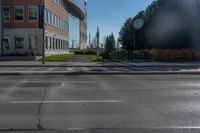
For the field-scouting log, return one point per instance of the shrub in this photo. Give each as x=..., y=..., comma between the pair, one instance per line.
x=94, y=58
x=172, y=54
x=119, y=55
x=85, y=52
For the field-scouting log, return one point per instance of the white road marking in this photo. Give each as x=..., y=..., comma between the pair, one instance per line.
x=59, y=82
x=77, y=129
x=177, y=82
x=51, y=69
x=85, y=68
x=69, y=69
x=121, y=69
x=34, y=69
x=84, y=101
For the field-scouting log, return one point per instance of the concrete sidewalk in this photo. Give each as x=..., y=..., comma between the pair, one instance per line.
x=96, y=64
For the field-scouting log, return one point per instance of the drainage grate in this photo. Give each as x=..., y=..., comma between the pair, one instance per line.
x=40, y=84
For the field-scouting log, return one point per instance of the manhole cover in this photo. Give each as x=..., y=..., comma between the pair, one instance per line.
x=40, y=84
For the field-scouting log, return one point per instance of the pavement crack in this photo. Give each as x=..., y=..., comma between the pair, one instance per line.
x=38, y=122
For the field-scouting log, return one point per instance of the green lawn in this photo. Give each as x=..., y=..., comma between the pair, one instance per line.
x=94, y=58
x=60, y=58
x=66, y=57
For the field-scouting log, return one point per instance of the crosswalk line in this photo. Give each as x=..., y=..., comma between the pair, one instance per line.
x=69, y=69
x=85, y=68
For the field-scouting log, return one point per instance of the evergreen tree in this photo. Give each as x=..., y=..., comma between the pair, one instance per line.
x=110, y=45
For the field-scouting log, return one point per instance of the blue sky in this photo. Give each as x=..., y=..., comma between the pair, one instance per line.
x=110, y=15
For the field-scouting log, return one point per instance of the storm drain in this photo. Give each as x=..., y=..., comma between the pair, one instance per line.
x=41, y=84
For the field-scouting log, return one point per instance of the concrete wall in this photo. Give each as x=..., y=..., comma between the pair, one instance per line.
x=49, y=51
x=11, y=33
x=26, y=23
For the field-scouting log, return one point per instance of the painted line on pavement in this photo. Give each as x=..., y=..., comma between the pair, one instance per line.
x=51, y=69
x=85, y=68
x=59, y=81
x=84, y=101
x=69, y=69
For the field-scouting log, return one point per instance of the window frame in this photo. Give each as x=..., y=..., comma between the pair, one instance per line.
x=23, y=42
x=9, y=14
x=36, y=7
x=22, y=7
x=8, y=39
x=31, y=46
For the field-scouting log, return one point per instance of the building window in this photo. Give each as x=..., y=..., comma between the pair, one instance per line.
x=60, y=44
x=6, y=43
x=50, y=22
x=45, y=14
x=53, y=19
x=19, y=13
x=32, y=42
x=19, y=42
x=56, y=42
x=6, y=14
x=53, y=43
x=74, y=32
x=47, y=42
x=49, y=17
x=33, y=13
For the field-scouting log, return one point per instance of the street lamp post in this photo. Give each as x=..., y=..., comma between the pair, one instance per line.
x=44, y=41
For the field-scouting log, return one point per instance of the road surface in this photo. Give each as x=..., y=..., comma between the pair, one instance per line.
x=114, y=104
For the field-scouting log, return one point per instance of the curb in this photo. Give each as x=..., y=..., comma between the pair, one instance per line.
x=164, y=66
x=62, y=73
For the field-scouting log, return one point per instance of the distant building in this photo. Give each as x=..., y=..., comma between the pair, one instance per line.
x=64, y=25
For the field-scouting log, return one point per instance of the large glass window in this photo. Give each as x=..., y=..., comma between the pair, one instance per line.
x=46, y=17
x=32, y=42
x=6, y=43
x=79, y=3
x=19, y=13
x=6, y=13
x=19, y=42
x=47, y=42
x=49, y=17
x=74, y=32
x=33, y=13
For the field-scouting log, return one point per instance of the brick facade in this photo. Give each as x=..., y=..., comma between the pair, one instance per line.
x=26, y=36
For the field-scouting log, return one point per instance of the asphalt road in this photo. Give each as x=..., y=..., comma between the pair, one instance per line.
x=100, y=104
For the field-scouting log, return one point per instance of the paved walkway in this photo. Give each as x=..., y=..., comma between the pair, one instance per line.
x=83, y=58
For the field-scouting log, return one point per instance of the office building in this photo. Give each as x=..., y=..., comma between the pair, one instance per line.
x=57, y=24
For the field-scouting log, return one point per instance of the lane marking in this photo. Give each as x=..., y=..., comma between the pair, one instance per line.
x=177, y=82
x=84, y=101
x=69, y=69
x=51, y=69
x=149, y=128
x=85, y=68
x=59, y=81
x=34, y=69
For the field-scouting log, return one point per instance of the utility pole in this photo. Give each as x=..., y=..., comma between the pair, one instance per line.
x=97, y=36
x=44, y=41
